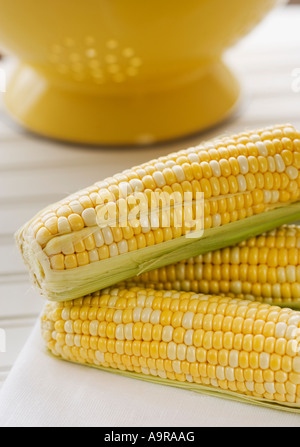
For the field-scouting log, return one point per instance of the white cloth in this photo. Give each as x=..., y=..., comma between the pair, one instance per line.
x=42, y=391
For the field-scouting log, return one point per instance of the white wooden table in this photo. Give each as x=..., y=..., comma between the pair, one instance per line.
x=35, y=172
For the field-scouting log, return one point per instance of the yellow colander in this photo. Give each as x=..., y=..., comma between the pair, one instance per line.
x=123, y=71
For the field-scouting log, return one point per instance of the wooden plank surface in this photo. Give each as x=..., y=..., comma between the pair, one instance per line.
x=35, y=172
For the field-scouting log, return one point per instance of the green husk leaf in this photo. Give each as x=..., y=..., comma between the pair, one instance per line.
x=71, y=284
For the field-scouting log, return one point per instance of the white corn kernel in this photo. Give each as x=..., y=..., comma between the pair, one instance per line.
x=280, y=330
x=159, y=179
x=145, y=315
x=70, y=340
x=191, y=354
x=193, y=157
x=136, y=315
x=159, y=166
x=267, y=196
x=234, y=359
x=281, y=276
x=264, y=360
x=113, y=300
x=137, y=185
x=114, y=292
x=291, y=273
x=99, y=240
x=67, y=247
x=125, y=189
x=76, y=207
x=100, y=356
x=270, y=388
x=271, y=164
x=167, y=333
x=188, y=337
x=65, y=313
x=296, y=364
x=243, y=163
x=179, y=173
x=69, y=327
x=123, y=246
x=77, y=340
x=89, y=217
x=291, y=332
x=220, y=372
x=242, y=183
x=176, y=367
x=275, y=196
x=276, y=291
x=93, y=255
x=292, y=172
x=187, y=320
x=250, y=386
x=128, y=331
x=149, y=301
x=181, y=351
x=107, y=235
x=120, y=332
x=262, y=149
x=117, y=318
x=141, y=301
x=141, y=173
x=155, y=316
x=255, y=138
x=215, y=167
x=280, y=166
x=94, y=328
x=217, y=220
x=63, y=225
x=171, y=350
x=162, y=374
x=294, y=319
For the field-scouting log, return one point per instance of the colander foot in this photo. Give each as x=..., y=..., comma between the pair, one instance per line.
x=90, y=115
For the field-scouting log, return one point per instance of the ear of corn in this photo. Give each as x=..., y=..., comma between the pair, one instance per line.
x=265, y=268
x=250, y=183
x=228, y=347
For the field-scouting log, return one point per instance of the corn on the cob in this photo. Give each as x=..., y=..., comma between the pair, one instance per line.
x=250, y=184
x=265, y=268
x=239, y=349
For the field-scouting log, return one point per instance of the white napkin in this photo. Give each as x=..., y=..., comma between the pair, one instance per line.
x=42, y=391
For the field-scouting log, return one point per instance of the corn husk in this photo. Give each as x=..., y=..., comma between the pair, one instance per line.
x=71, y=284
